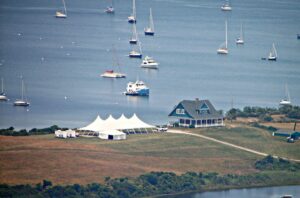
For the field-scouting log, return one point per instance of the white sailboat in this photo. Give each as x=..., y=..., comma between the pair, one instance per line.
x=110, y=9
x=240, y=40
x=132, y=17
x=287, y=99
x=62, y=14
x=2, y=94
x=112, y=73
x=134, y=37
x=223, y=47
x=150, y=29
x=273, y=54
x=23, y=101
x=136, y=52
x=226, y=6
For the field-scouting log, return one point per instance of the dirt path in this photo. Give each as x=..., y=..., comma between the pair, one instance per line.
x=228, y=144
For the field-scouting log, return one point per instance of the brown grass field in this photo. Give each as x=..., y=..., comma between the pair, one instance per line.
x=84, y=160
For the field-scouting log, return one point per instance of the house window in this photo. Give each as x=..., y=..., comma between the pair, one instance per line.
x=180, y=111
x=194, y=122
x=187, y=121
x=181, y=121
x=198, y=122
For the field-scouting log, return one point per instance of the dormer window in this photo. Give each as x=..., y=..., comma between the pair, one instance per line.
x=204, y=109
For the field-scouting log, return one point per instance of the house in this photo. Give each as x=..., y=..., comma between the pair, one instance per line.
x=197, y=113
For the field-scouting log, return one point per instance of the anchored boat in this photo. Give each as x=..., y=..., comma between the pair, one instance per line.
x=240, y=40
x=112, y=73
x=150, y=29
x=132, y=17
x=110, y=9
x=273, y=54
x=2, y=94
x=134, y=37
x=137, y=88
x=62, y=14
x=226, y=6
x=149, y=63
x=223, y=47
x=23, y=101
x=287, y=99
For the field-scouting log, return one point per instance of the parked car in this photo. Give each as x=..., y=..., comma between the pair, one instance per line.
x=162, y=128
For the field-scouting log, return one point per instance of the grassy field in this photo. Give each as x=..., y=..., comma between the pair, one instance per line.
x=84, y=160
x=254, y=138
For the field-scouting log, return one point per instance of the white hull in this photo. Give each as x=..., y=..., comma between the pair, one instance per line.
x=222, y=51
x=150, y=65
x=113, y=75
x=226, y=8
x=3, y=97
x=131, y=19
x=21, y=103
x=272, y=58
x=285, y=102
x=239, y=41
x=60, y=15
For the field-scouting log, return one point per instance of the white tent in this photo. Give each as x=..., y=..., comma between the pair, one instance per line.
x=65, y=134
x=121, y=124
x=112, y=135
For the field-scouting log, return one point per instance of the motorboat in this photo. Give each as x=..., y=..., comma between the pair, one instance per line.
x=149, y=63
x=137, y=88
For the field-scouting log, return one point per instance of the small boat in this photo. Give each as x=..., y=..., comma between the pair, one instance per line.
x=226, y=6
x=149, y=63
x=150, y=29
x=136, y=52
x=223, y=47
x=112, y=73
x=273, y=54
x=134, y=38
x=2, y=94
x=110, y=9
x=62, y=14
x=137, y=88
x=287, y=99
x=132, y=17
x=287, y=196
x=240, y=40
x=22, y=102
x=298, y=36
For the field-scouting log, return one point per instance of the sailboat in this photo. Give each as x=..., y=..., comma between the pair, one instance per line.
x=287, y=99
x=62, y=14
x=132, y=17
x=110, y=9
x=273, y=54
x=240, y=40
x=226, y=6
x=136, y=53
x=112, y=73
x=223, y=47
x=2, y=94
x=22, y=102
x=150, y=29
x=134, y=37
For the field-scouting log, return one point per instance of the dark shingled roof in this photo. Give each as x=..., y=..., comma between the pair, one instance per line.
x=191, y=107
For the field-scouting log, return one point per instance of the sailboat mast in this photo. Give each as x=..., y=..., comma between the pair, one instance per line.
x=226, y=34
x=133, y=9
x=2, y=89
x=65, y=7
x=242, y=33
x=287, y=93
x=151, y=20
x=140, y=46
x=22, y=88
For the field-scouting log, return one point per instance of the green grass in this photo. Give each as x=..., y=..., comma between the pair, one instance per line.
x=254, y=138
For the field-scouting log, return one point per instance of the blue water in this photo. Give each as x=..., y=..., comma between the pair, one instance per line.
x=268, y=192
x=76, y=50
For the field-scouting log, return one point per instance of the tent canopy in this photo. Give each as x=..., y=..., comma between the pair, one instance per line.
x=110, y=124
